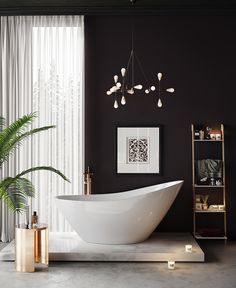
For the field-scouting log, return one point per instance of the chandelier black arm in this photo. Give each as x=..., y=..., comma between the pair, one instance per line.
x=127, y=67
x=142, y=70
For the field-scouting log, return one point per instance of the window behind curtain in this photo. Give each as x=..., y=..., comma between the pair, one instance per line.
x=57, y=67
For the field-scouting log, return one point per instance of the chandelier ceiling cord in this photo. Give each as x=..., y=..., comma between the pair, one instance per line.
x=121, y=89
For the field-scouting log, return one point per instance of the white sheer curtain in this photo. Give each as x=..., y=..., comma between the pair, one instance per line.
x=15, y=100
x=42, y=70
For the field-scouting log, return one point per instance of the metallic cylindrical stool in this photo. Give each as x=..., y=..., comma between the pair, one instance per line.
x=31, y=247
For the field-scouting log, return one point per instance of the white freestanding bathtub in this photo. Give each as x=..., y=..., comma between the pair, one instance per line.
x=119, y=218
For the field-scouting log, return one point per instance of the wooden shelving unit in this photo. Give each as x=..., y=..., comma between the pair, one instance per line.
x=210, y=237
x=209, y=211
x=217, y=190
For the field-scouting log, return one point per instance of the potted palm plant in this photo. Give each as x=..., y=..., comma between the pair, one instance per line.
x=14, y=191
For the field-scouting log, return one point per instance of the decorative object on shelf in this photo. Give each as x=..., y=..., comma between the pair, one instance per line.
x=221, y=207
x=88, y=182
x=207, y=132
x=127, y=85
x=198, y=206
x=213, y=207
x=198, y=198
x=212, y=178
x=203, y=181
x=196, y=134
x=138, y=150
x=215, y=134
x=204, y=200
x=201, y=134
x=206, y=171
x=219, y=180
x=218, y=136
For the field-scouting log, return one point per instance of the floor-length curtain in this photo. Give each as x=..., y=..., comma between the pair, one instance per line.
x=15, y=100
x=41, y=70
x=57, y=89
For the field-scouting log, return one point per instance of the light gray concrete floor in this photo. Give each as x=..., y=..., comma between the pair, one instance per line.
x=219, y=271
x=2, y=245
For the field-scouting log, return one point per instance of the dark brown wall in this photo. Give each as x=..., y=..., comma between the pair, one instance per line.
x=197, y=56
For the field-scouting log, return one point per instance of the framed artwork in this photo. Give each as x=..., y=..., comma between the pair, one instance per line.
x=138, y=150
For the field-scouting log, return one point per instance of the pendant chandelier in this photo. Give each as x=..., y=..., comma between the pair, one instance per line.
x=126, y=85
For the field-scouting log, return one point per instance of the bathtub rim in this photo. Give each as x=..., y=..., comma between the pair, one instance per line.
x=116, y=196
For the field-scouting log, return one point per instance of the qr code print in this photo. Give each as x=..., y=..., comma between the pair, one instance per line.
x=138, y=150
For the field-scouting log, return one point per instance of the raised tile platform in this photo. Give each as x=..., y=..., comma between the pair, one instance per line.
x=160, y=247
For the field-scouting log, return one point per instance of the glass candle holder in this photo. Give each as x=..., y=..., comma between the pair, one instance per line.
x=171, y=264
x=188, y=248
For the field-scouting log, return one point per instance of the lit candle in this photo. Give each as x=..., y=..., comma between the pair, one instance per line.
x=218, y=136
x=188, y=248
x=171, y=265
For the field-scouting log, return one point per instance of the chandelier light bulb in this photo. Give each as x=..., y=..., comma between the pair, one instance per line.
x=130, y=91
x=114, y=89
x=123, y=101
x=159, y=103
x=109, y=92
x=159, y=76
x=153, y=88
x=147, y=91
x=139, y=87
x=171, y=90
x=115, y=78
x=118, y=84
x=116, y=104
x=123, y=70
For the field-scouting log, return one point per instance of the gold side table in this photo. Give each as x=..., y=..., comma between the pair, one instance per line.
x=31, y=247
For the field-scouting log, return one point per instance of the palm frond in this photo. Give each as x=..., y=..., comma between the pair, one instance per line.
x=15, y=192
x=2, y=123
x=17, y=127
x=17, y=141
x=25, y=185
x=6, y=198
x=48, y=168
x=11, y=132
